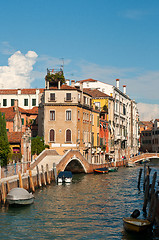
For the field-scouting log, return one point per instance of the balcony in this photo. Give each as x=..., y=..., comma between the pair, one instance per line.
x=68, y=99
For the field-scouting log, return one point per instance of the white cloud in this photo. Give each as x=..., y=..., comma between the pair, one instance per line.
x=135, y=14
x=17, y=73
x=6, y=48
x=148, y=112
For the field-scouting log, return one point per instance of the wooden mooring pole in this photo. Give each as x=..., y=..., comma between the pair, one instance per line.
x=55, y=173
x=146, y=195
x=139, y=179
x=31, y=181
x=38, y=177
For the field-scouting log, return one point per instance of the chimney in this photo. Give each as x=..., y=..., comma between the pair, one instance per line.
x=81, y=86
x=58, y=84
x=124, y=89
x=117, y=83
x=68, y=82
x=72, y=83
x=15, y=105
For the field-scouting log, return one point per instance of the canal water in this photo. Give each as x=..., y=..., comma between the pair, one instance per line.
x=91, y=207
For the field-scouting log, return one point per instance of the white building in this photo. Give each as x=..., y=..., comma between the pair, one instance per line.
x=27, y=98
x=125, y=117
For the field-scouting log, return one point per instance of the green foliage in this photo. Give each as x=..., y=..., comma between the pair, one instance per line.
x=54, y=78
x=4, y=145
x=37, y=145
x=15, y=156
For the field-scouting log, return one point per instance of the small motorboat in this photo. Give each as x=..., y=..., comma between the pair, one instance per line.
x=136, y=225
x=64, y=176
x=19, y=196
x=101, y=170
x=112, y=169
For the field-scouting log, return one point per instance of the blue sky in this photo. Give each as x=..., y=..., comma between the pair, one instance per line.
x=98, y=39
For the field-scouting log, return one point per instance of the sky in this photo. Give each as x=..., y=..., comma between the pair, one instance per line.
x=99, y=39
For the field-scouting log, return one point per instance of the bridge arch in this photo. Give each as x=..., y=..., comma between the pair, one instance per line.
x=144, y=156
x=75, y=165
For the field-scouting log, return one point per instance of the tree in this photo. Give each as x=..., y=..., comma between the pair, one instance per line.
x=54, y=78
x=37, y=145
x=4, y=144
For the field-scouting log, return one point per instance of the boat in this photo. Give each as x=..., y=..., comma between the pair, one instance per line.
x=64, y=176
x=136, y=225
x=19, y=196
x=112, y=169
x=101, y=170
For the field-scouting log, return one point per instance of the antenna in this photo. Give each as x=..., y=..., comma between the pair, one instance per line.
x=62, y=66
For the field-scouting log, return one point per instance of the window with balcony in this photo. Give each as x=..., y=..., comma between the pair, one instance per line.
x=68, y=135
x=52, y=96
x=68, y=96
x=52, y=115
x=68, y=115
x=52, y=135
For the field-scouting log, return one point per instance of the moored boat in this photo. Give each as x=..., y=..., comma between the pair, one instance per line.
x=136, y=225
x=19, y=196
x=101, y=170
x=112, y=169
x=64, y=176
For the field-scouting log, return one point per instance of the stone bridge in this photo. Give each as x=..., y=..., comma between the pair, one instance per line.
x=72, y=161
x=143, y=156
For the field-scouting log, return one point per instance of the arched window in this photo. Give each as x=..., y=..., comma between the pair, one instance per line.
x=68, y=135
x=52, y=135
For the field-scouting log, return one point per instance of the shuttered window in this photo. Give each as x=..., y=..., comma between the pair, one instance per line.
x=52, y=135
x=68, y=135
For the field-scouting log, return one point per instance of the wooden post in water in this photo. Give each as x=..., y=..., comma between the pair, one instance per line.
x=31, y=181
x=54, y=171
x=43, y=176
x=139, y=179
x=154, y=207
x=144, y=176
x=38, y=177
x=29, y=188
x=146, y=195
x=8, y=187
x=20, y=180
x=47, y=174
x=153, y=183
x=3, y=193
x=151, y=205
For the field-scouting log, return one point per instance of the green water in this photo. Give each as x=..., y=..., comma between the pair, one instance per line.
x=91, y=207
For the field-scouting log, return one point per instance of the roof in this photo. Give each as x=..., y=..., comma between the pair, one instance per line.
x=23, y=91
x=87, y=80
x=34, y=110
x=95, y=93
x=14, y=137
x=63, y=87
x=9, y=113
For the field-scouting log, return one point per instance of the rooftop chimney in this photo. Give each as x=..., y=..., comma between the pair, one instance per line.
x=58, y=84
x=68, y=82
x=72, y=83
x=124, y=89
x=117, y=83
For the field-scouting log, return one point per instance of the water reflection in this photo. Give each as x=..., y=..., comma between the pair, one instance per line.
x=91, y=207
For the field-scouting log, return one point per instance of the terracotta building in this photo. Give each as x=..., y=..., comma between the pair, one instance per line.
x=65, y=118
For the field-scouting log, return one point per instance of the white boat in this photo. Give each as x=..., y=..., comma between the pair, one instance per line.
x=20, y=196
x=64, y=176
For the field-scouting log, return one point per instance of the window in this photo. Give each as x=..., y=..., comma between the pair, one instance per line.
x=22, y=121
x=68, y=135
x=12, y=102
x=52, y=96
x=97, y=105
x=34, y=102
x=25, y=102
x=78, y=115
x=52, y=115
x=4, y=102
x=52, y=135
x=68, y=115
x=68, y=96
